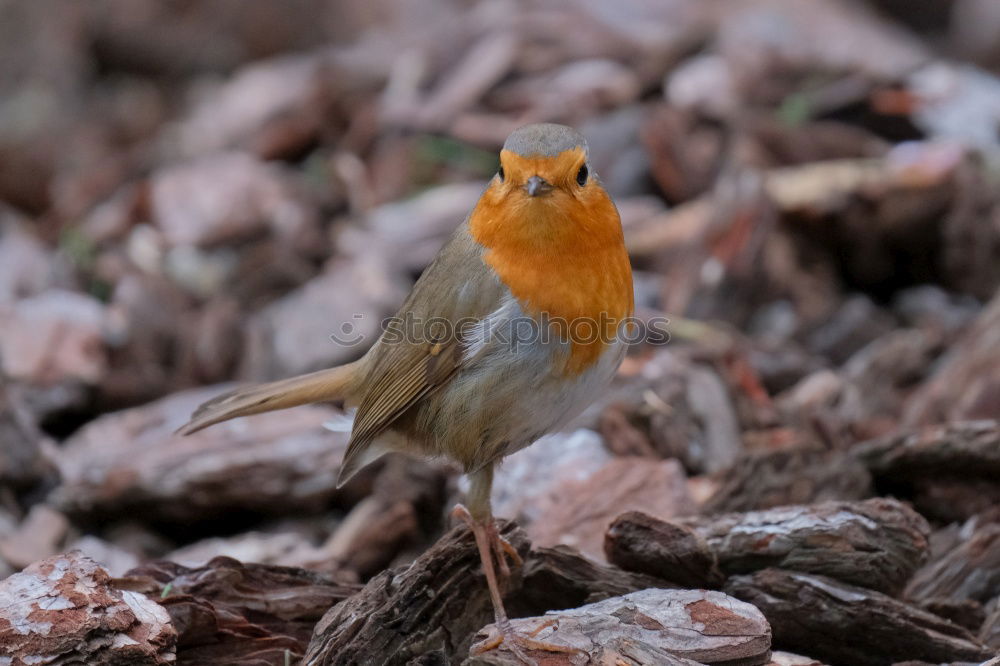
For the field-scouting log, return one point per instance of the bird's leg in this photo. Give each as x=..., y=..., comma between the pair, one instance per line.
x=479, y=518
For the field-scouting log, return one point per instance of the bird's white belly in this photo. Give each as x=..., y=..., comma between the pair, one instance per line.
x=511, y=392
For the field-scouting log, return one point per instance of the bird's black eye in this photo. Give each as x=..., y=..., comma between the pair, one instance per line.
x=581, y=175
x=500, y=173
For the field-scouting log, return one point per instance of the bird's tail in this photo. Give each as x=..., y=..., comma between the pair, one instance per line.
x=323, y=386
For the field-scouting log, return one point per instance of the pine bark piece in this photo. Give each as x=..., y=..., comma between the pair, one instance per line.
x=38, y=536
x=843, y=623
x=577, y=512
x=56, y=337
x=876, y=543
x=966, y=447
x=969, y=571
x=653, y=626
x=233, y=614
x=64, y=610
x=697, y=397
x=965, y=612
x=281, y=337
x=561, y=577
x=246, y=195
x=780, y=478
x=789, y=659
x=131, y=461
x=673, y=552
x=523, y=485
x=950, y=471
x=966, y=381
x=22, y=460
x=989, y=633
x=432, y=609
x=618, y=651
x=406, y=502
x=433, y=605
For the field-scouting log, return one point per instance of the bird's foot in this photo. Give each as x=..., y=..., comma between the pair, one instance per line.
x=516, y=643
x=500, y=547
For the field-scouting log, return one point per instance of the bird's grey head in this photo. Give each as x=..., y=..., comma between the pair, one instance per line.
x=544, y=140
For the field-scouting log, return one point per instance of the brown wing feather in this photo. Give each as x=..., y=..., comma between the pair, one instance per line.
x=404, y=386
x=404, y=372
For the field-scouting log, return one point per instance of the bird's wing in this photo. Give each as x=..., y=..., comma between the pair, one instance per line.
x=414, y=358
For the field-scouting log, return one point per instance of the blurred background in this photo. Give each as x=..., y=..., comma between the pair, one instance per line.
x=197, y=192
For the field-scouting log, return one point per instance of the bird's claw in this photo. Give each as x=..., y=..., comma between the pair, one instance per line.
x=517, y=643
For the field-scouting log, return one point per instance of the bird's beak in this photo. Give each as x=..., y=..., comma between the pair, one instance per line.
x=536, y=186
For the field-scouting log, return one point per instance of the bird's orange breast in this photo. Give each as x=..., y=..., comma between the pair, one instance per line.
x=563, y=257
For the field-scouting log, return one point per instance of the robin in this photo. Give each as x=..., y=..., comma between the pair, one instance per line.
x=513, y=329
